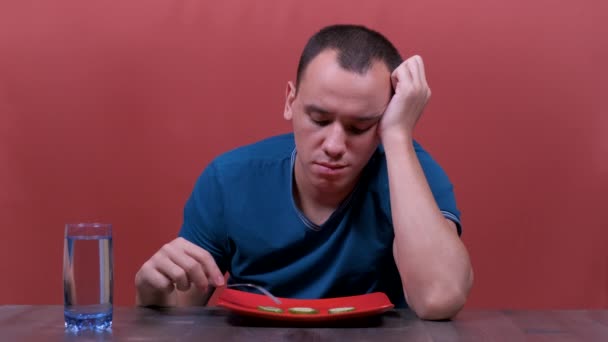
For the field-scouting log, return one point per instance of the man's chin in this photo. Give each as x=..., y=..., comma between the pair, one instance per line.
x=327, y=185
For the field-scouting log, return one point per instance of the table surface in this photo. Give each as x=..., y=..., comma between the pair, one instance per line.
x=45, y=323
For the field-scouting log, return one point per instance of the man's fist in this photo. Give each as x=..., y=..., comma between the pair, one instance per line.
x=411, y=96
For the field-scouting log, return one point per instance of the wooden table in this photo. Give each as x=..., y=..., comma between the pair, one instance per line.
x=45, y=323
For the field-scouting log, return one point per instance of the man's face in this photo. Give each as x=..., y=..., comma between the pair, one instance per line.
x=334, y=114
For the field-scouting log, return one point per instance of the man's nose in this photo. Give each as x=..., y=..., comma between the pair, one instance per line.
x=335, y=141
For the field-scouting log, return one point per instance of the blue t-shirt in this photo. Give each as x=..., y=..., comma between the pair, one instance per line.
x=242, y=211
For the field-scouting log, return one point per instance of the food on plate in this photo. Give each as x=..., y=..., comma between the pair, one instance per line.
x=303, y=310
x=341, y=310
x=270, y=309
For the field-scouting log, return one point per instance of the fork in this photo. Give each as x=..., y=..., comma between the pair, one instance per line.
x=259, y=288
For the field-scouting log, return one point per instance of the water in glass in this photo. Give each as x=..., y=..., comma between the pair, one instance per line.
x=88, y=279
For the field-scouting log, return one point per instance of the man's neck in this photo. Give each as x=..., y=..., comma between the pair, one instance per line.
x=315, y=204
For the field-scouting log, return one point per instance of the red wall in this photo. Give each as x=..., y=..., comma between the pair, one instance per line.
x=109, y=112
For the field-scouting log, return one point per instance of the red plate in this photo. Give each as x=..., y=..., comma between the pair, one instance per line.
x=246, y=303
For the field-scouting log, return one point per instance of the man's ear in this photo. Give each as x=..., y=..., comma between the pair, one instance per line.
x=290, y=96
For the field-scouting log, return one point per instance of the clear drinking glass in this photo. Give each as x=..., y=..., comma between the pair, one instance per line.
x=88, y=276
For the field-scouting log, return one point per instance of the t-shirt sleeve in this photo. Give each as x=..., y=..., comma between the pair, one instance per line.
x=441, y=187
x=204, y=217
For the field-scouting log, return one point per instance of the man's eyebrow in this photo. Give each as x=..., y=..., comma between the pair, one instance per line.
x=311, y=108
x=368, y=118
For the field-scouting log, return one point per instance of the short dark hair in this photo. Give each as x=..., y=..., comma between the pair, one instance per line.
x=357, y=48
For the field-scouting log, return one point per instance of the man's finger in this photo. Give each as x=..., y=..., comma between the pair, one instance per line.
x=174, y=273
x=422, y=70
x=163, y=282
x=194, y=270
x=156, y=280
x=214, y=275
x=401, y=75
x=422, y=73
x=412, y=66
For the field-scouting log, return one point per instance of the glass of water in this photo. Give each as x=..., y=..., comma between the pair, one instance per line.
x=88, y=276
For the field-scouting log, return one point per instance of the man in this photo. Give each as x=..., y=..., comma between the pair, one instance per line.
x=347, y=204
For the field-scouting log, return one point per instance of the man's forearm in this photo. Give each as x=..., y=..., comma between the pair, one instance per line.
x=433, y=263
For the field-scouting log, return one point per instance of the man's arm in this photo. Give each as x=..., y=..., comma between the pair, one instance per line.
x=433, y=262
x=185, y=271
x=179, y=274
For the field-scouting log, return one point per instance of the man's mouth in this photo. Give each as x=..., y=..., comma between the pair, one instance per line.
x=329, y=170
x=331, y=166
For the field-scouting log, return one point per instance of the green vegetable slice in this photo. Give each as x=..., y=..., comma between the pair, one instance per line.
x=303, y=310
x=341, y=310
x=270, y=309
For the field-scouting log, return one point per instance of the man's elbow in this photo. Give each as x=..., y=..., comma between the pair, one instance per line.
x=445, y=303
x=440, y=307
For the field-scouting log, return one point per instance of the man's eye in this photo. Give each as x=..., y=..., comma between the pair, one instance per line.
x=357, y=131
x=321, y=122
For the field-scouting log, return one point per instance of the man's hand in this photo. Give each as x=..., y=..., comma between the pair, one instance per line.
x=178, y=264
x=411, y=96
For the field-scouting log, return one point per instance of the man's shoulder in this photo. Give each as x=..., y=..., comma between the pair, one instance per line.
x=268, y=151
x=428, y=163
x=433, y=171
